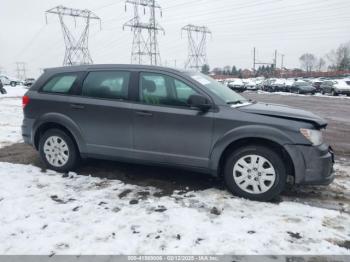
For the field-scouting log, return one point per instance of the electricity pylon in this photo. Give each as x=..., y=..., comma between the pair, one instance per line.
x=77, y=51
x=145, y=48
x=21, y=70
x=197, y=39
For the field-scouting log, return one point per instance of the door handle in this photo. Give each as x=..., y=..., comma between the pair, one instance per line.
x=77, y=106
x=144, y=113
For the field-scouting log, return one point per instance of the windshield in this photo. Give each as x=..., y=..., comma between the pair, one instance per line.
x=222, y=91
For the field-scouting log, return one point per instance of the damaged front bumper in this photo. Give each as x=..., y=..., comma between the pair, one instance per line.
x=313, y=165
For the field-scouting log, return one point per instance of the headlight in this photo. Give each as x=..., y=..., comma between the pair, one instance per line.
x=314, y=136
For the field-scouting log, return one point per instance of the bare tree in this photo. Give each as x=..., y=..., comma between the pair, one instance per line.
x=340, y=57
x=320, y=64
x=308, y=61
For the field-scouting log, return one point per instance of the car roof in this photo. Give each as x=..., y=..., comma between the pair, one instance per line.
x=111, y=66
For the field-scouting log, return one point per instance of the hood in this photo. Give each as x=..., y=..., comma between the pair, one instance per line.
x=286, y=112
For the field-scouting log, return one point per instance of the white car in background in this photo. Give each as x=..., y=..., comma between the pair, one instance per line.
x=288, y=83
x=341, y=87
x=250, y=84
x=9, y=81
x=237, y=85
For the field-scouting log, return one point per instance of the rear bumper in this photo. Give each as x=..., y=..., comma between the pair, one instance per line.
x=27, y=133
x=313, y=164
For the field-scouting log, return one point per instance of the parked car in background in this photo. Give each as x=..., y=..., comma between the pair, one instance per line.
x=237, y=85
x=288, y=83
x=336, y=87
x=29, y=82
x=316, y=83
x=250, y=84
x=8, y=81
x=132, y=113
x=275, y=85
x=327, y=86
x=302, y=87
x=2, y=89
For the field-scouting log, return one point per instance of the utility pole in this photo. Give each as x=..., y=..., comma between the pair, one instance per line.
x=282, y=58
x=77, y=51
x=275, y=59
x=145, y=48
x=254, y=57
x=197, y=40
x=21, y=70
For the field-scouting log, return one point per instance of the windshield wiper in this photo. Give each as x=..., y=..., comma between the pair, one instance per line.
x=235, y=102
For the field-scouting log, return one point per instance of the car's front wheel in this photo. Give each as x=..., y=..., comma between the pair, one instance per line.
x=255, y=172
x=58, y=151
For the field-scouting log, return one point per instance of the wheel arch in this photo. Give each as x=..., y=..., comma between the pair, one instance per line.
x=61, y=122
x=263, y=136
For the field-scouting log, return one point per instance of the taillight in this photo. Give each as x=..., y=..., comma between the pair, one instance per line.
x=25, y=101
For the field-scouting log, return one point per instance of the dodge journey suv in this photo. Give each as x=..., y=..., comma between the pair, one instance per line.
x=163, y=116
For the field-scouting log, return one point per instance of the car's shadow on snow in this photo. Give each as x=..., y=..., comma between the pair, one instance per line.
x=167, y=180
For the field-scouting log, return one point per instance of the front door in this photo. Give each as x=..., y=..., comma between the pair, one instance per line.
x=166, y=129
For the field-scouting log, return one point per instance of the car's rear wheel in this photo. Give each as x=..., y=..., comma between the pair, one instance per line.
x=58, y=151
x=255, y=172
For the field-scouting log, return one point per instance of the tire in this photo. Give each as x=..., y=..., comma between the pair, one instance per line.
x=13, y=83
x=67, y=161
x=272, y=189
x=333, y=93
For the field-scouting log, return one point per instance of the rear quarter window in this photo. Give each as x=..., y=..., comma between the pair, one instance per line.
x=60, y=83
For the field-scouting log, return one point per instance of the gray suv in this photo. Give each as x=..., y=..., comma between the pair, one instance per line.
x=163, y=116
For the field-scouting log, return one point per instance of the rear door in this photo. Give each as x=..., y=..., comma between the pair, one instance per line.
x=102, y=110
x=166, y=129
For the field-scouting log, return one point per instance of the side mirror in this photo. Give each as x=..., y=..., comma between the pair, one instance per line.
x=200, y=102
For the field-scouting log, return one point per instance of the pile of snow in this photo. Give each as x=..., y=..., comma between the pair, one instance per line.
x=294, y=94
x=47, y=213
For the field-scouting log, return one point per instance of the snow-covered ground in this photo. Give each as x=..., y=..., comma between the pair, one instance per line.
x=295, y=94
x=50, y=213
x=11, y=115
x=45, y=213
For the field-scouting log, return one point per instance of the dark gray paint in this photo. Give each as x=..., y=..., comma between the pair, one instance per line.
x=132, y=131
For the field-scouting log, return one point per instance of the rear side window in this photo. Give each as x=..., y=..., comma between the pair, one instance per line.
x=107, y=84
x=60, y=84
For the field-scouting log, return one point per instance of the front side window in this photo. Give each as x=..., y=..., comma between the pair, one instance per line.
x=60, y=83
x=107, y=84
x=159, y=89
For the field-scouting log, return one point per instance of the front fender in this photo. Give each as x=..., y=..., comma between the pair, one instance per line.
x=243, y=132
x=65, y=121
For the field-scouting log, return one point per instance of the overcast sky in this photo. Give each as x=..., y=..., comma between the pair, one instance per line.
x=293, y=27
